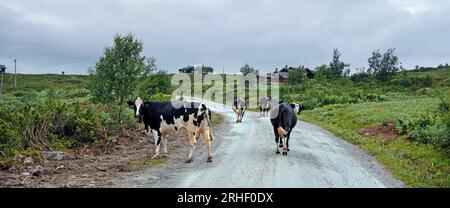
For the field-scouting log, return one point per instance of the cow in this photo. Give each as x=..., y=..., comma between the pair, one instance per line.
x=283, y=118
x=239, y=107
x=264, y=106
x=163, y=118
x=297, y=108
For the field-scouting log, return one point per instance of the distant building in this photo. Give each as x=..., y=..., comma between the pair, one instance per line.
x=197, y=69
x=2, y=68
x=283, y=75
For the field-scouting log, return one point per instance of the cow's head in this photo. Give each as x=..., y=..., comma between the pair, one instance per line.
x=138, y=106
x=297, y=108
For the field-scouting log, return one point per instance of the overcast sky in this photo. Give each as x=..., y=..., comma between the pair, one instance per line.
x=50, y=36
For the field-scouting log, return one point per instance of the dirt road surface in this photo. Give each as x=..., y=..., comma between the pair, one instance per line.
x=244, y=156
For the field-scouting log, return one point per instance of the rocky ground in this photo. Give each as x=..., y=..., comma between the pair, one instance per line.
x=98, y=165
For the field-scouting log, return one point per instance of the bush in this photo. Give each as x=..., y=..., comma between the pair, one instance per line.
x=296, y=77
x=436, y=134
x=48, y=122
x=425, y=81
x=432, y=128
x=404, y=82
x=157, y=83
x=361, y=77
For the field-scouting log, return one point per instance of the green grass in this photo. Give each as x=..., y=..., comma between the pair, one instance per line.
x=441, y=77
x=40, y=82
x=418, y=165
x=357, y=116
x=29, y=84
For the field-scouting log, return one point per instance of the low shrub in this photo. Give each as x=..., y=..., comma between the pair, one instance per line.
x=433, y=128
x=48, y=122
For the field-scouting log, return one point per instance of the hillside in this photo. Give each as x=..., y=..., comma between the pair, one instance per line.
x=404, y=123
x=29, y=84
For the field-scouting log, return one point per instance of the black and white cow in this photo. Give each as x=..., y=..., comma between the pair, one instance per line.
x=239, y=107
x=283, y=118
x=264, y=106
x=297, y=108
x=164, y=118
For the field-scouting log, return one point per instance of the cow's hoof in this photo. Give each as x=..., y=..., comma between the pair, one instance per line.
x=289, y=150
x=188, y=160
x=277, y=152
x=165, y=154
x=285, y=153
x=209, y=159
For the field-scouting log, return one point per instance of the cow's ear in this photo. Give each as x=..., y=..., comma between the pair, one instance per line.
x=292, y=105
x=300, y=109
x=130, y=103
x=203, y=107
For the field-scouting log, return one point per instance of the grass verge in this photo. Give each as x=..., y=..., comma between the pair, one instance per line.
x=417, y=164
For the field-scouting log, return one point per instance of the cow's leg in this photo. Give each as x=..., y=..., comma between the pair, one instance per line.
x=242, y=115
x=164, y=145
x=261, y=112
x=287, y=141
x=157, y=138
x=146, y=130
x=280, y=145
x=276, y=141
x=192, y=143
x=285, y=146
x=208, y=141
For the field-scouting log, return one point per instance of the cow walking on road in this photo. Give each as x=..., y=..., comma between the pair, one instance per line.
x=264, y=106
x=283, y=118
x=164, y=118
x=239, y=107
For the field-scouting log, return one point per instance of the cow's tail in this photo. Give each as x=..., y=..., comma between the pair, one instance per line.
x=208, y=119
x=281, y=131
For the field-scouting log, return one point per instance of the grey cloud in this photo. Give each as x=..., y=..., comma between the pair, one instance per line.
x=51, y=36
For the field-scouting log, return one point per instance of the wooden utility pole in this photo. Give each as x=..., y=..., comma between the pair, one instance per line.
x=15, y=73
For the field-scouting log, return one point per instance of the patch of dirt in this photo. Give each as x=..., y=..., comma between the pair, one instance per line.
x=97, y=165
x=384, y=132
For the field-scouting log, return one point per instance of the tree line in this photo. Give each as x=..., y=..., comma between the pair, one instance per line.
x=382, y=66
